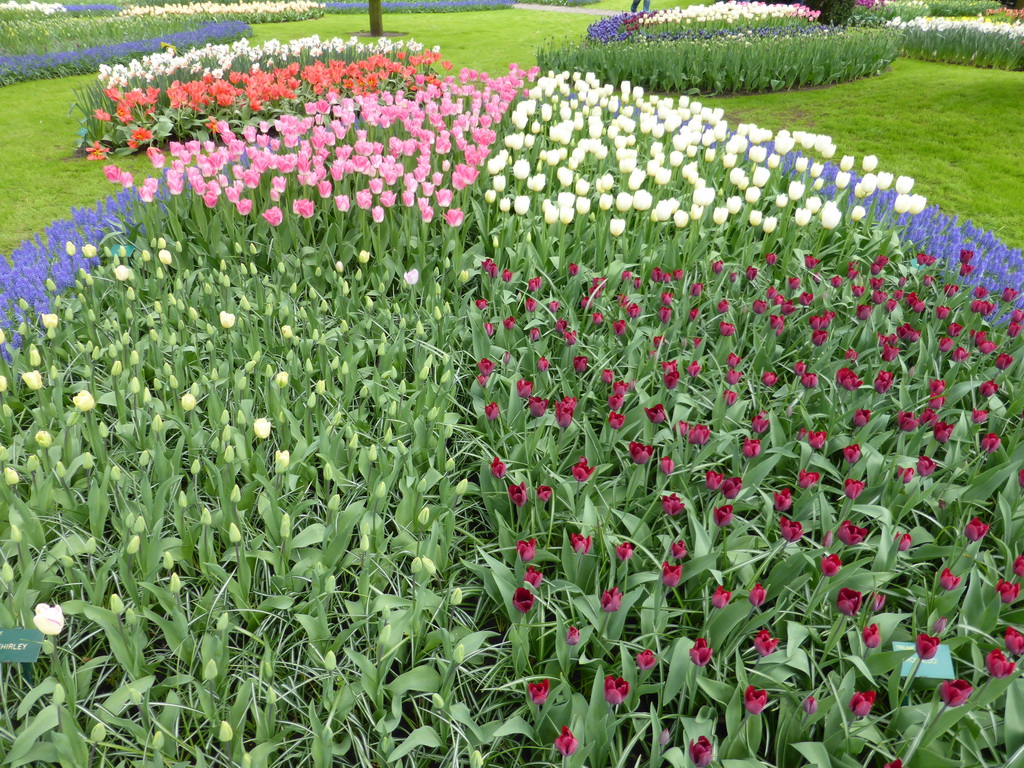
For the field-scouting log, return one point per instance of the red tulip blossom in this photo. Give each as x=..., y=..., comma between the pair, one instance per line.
x=861, y=417
x=731, y=487
x=997, y=664
x=517, y=494
x=699, y=434
x=722, y=515
x=672, y=505
x=754, y=700
x=848, y=601
x=807, y=479
x=538, y=692
x=624, y=551
x=764, y=643
x=976, y=529
x=671, y=575
x=850, y=534
x=990, y=443
x=611, y=600
x=722, y=597
x=564, y=411
x=543, y=493
x=862, y=702
x=954, y=693
x=830, y=565
x=538, y=407
x=566, y=743
x=927, y=646
x=791, y=531
x=903, y=541
x=1008, y=591
x=783, y=499
x=701, y=752
x=677, y=549
x=1014, y=641
x=533, y=577
x=581, y=544
x=656, y=414
x=492, y=411
x=948, y=581
x=522, y=599
x=640, y=453
x=572, y=636
x=527, y=550
x=847, y=379
x=852, y=453
x=616, y=689
x=701, y=652
x=872, y=638
x=498, y=468
x=757, y=596
x=582, y=471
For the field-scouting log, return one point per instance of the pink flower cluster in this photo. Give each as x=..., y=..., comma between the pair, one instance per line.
x=371, y=152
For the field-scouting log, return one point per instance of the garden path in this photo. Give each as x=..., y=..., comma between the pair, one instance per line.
x=563, y=9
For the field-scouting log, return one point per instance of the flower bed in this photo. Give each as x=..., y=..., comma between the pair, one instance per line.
x=252, y=12
x=670, y=24
x=87, y=56
x=911, y=9
x=746, y=60
x=172, y=97
x=569, y=427
x=977, y=42
x=423, y=6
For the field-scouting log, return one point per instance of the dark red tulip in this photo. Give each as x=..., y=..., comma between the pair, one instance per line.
x=672, y=505
x=533, y=577
x=782, y=500
x=611, y=600
x=722, y=515
x=847, y=379
x=624, y=551
x=830, y=565
x=1018, y=566
x=582, y=471
x=517, y=494
x=713, y=480
x=927, y=646
x=758, y=595
x=492, y=411
x=760, y=423
x=666, y=465
x=566, y=743
x=678, y=549
x=764, y=643
x=948, y=581
x=543, y=364
x=498, y=468
x=872, y=638
x=791, y=531
x=903, y=541
x=955, y=693
x=616, y=420
x=976, y=529
x=572, y=636
x=522, y=599
x=538, y=407
x=852, y=453
x=699, y=434
x=942, y=431
x=883, y=382
x=862, y=702
x=646, y=660
x=807, y=479
x=543, y=492
x=751, y=448
x=769, y=379
x=701, y=652
x=1014, y=641
x=524, y=388
x=616, y=689
x=848, y=601
x=701, y=752
x=850, y=534
x=564, y=411
x=861, y=417
x=1008, y=591
x=997, y=664
x=817, y=439
x=853, y=488
x=754, y=700
x=538, y=692
x=527, y=550
x=721, y=597
x=485, y=366
x=926, y=466
x=731, y=487
x=671, y=575
x=581, y=544
x=990, y=443
x=640, y=453
x=656, y=414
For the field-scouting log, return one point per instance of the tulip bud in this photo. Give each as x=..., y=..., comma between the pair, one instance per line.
x=11, y=478
x=175, y=583
x=456, y=598
x=462, y=487
x=210, y=671
x=225, y=734
x=98, y=733
x=116, y=604
x=134, y=544
x=188, y=402
x=234, y=535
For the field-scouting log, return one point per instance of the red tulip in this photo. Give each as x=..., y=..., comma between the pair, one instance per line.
x=926, y=466
x=861, y=417
x=524, y=389
x=1008, y=591
x=764, y=643
x=616, y=689
x=564, y=411
x=903, y=541
x=861, y=703
x=783, y=499
x=533, y=577
x=640, y=453
x=848, y=601
x=527, y=550
x=731, y=487
x=807, y=479
x=699, y=434
x=543, y=492
x=872, y=638
x=948, y=581
x=517, y=494
x=751, y=448
x=538, y=406
x=1014, y=641
x=791, y=531
x=522, y=599
x=611, y=600
x=666, y=465
x=754, y=700
x=852, y=453
x=830, y=565
x=990, y=443
x=701, y=752
x=722, y=597
x=566, y=743
x=582, y=471
x=538, y=692
x=701, y=652
x=817, y=439
x=485, y=366
x=976, y=529
x=677, y=550
x=850, y=534
x=883, y=382
x=760, y=423
x=671, y=575
x=942, y=431
x=722, y=515
x=492, y=411
x=498, y=468
x=624, y=551
x=572, y=636
x=581, y=544
x=656, y=414
x=1018, y=566
x=954, y=693
x=927, y=646
x=847, y=379
x=672, y=505
x=757, y=596
x=997, y=664
x=646, y=660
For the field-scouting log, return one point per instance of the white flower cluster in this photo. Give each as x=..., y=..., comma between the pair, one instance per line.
x=729, y=13
x=1014, y=31
x=220, y=9
x=582, y=145
x=217, y=59
x=33, y=7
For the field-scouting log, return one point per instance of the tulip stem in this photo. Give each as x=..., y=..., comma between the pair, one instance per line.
x=920, y=734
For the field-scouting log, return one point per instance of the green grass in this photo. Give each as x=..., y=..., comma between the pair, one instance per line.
x=947, y=126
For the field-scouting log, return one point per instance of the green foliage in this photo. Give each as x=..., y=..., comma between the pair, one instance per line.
x=56, y=33
x=969, y=42
x=745, y=62
x=833, y=12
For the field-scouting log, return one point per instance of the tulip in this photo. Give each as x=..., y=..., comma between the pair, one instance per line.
x=581, y=544
x=757, y=596
x=830, y=565
x=721, y=597
x=498, y=468
x=764, y=643
x=49, y=619
x=701, y=652
x=850, y=534
x=976, y=530
x=566, y=743
x=701, y=752
x=646, y=660
x=616, y=689
x=791, y=531
x=261, y=428
x=853, y=488
x=538, y=692
x=862, y=702
x=526, y=550
x=84, y=401
x=517, y=494
x=948, y=581
x=872, y=638
x=611, y=600
x=522, y=599
x=722, y=515
x=848, y=601
x=997, y=664
x=955, y=693
x=671, y=575
x=1008, y=591
x=1014, y=641
x=624, y=551
x=927, y=646
x=582, y=471
x=754, y=700
x=990, y=443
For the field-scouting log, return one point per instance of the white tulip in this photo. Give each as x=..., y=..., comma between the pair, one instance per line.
x=884, y=180
x=565, y=176
x=605, y=202
x=734, y=204
x=504, y=205
x=869, y=163
x=858, y=213
x=802, y=217
x=904, y=184
x=583, y=206
x=703, y=196
x=813, y=204
x=582, y=187
x=902, y=204
x=642, y=200
x=490, y=196
x=522, y=205
x=680, y=219
x=617, y=227
x=917, y=203
x=623, y=202
x=49, y=619
x=550, y=214
x=781, y=201
x=761, y=176
x=720, y=215
x=842, y=180
x=846, y=163
x=521, y=169
x=770, y=223
x=499, y=182
x=830, y=215
x=801, y=164
x=752, y=195
x=756, y=218
x=796, y=190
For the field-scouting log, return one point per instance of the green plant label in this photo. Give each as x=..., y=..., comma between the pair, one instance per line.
x=939, y=667
x=20, y=645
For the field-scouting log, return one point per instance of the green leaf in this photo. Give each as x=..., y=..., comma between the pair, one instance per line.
x=424, y=736
x=815, y=752
x=1013, y=722
x=23, y=750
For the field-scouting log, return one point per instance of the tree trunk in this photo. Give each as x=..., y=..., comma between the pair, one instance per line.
x=376, y=19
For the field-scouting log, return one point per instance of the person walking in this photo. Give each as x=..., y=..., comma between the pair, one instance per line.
x=635, y=3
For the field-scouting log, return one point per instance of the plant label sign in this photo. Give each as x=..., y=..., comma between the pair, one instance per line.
x=20, y=645
x=939, y=667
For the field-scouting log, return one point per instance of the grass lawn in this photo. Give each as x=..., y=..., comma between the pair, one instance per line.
x=950, y=127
